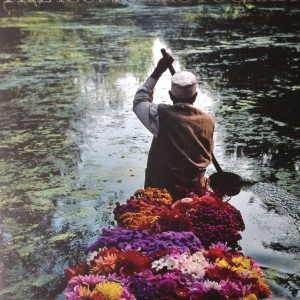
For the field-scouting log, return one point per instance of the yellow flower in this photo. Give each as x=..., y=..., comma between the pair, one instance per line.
x=222, y=263
x=250, y=297
x=242, y=261
x=109, y=290
x=262, y=283
x=238, y=270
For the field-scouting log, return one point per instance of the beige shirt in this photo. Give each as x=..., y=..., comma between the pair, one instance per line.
x=145, y=109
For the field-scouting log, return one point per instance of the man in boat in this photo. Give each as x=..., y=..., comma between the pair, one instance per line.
x=182, y=142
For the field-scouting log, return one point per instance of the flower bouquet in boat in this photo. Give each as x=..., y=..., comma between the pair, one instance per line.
x=160, y=249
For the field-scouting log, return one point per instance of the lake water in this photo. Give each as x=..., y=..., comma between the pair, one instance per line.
x=71, y=146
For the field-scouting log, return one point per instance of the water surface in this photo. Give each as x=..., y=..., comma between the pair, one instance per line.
x=71, y=146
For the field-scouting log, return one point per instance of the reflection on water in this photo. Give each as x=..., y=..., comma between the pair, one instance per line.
x=71, y=146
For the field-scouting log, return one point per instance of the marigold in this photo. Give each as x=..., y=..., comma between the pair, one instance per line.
x=161, y=196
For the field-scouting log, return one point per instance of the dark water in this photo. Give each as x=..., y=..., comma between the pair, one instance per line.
x=71, y=146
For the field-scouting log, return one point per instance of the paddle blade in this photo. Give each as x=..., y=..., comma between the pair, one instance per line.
x=225, y=183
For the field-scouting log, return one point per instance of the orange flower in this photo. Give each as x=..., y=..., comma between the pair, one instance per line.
x=160, y=196
x=104, y=264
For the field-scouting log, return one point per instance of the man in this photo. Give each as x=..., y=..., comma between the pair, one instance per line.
x=182, y=134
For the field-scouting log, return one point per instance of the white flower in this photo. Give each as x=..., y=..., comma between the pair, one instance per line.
x=159, y=264
x=193, y=265
x=198, y=257
x=172, y=264
x=211, y=285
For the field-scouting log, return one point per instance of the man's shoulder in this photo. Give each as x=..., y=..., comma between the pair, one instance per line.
x=203, y=115
x=184, y=110
x=163, y=106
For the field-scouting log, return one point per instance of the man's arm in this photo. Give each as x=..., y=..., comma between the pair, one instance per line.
x=146, y=111
x=143, y=107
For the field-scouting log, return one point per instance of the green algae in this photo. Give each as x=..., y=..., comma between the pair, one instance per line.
x=43, y=199
x=43, y=280
x=61, y=237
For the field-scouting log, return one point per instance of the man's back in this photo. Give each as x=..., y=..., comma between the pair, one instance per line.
x=182, y=149
x=186, y=135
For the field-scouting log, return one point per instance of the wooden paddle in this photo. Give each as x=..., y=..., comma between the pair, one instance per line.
x=224, y=183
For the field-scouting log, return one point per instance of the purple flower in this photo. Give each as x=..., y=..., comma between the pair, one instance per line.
x=147, y=285
x=235, y=290
x=146, y=242
x=72, y=290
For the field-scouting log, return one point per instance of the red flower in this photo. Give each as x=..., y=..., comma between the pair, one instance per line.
x=80, y=269
x=218, y=273
x=130, y=262
x=174, y=220
x=183, y=293
x=213, y=254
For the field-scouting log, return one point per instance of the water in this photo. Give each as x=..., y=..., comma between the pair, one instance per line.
x=71, y=146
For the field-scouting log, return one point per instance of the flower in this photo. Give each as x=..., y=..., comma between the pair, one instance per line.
x=148, y=243
x=235, y=289
x=109, y=290
x=208, y=216
x=131, y=261
x=147, y=285
x=192, y=265
x=161, y=196
x=79, y=286
x=206, y=290
x=104, y=264
x=159, y=264
x=250, y=297
x=174, y=220
x=164, y=251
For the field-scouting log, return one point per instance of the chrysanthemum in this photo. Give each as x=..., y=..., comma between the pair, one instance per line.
x=193, y=265
x=105, y=264
x=209, y=290
x=109, y=290
x=82, y=285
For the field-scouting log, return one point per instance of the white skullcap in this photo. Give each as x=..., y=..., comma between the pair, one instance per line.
x=183, y=85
